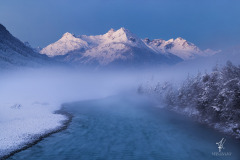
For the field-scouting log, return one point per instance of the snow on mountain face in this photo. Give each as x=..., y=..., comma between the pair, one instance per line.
x=119, y=45
x=114, y=45
x=122, y=36
x=13, y=52
x=67, y=43
x=70, y=42
x=179, y=47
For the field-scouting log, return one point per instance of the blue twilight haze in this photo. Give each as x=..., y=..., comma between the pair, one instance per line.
x=207, y=23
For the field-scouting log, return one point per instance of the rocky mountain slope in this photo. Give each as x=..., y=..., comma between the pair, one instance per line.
x=13, y=52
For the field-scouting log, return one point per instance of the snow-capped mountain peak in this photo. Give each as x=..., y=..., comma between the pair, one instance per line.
x=180, y=39
x=110, y=32
x=68, y=35
x=179, y=47
x=121, y=35
x=69, y=42
x=118, y=44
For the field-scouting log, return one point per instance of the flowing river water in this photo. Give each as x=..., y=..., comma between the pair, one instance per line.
x=129, y=128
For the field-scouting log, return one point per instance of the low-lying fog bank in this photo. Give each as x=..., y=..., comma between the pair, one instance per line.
x=29, y=97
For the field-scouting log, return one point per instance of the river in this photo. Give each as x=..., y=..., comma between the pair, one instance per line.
x=129, y=128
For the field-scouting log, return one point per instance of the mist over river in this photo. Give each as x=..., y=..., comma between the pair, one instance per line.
x=129, y=128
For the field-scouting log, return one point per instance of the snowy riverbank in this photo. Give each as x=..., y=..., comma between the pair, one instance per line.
x=22, y=125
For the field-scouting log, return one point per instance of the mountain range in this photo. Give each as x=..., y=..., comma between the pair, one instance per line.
x=114, y=48
x=121, y=46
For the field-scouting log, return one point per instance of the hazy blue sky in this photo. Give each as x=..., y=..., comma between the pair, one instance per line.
x=207, y=23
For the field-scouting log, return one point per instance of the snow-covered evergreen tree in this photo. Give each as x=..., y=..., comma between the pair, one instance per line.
x=213, y=98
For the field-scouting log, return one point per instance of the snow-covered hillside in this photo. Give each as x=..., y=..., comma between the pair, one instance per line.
x=121, y=46
x=13, y=52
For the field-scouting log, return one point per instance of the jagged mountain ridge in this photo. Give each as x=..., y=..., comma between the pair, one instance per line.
x=179, y=47
x=13, y=52
x=120, y=45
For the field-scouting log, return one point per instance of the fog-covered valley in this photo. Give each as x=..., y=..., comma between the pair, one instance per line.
x=142, y=94
x=30, y=96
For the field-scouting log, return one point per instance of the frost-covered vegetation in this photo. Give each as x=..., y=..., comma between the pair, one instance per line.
x=212, y=98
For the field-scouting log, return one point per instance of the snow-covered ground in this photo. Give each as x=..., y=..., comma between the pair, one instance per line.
x=27, y=108
x=22, y=124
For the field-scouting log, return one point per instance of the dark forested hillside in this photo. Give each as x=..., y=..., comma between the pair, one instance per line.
x=212, y=98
